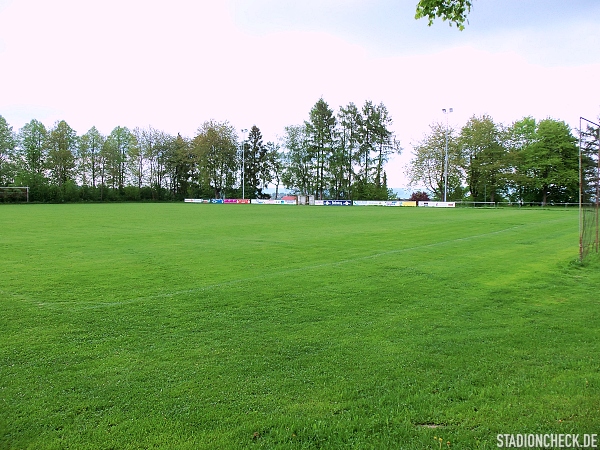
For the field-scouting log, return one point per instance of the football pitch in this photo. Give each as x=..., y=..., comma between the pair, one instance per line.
x=188, y=326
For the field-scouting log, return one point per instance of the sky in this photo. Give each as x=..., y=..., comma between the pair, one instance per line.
x=175, y=64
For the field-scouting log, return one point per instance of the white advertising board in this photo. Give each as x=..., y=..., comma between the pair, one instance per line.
x=260, y=201
x=438, y=204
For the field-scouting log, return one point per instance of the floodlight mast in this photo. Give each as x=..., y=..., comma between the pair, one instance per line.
x=446, y=154
x=244, y=130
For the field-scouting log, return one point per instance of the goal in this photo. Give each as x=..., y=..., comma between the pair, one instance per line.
x=14, y=194
x=589, y=188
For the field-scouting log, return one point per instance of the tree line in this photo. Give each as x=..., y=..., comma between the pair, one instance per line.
x=332, y=155
x=527, y=161
x=329, y=156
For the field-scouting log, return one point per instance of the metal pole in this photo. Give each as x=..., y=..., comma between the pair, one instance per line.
x=243, y=166
x=446, y=163
x=446, y=155
x=597, y=187
x=580, y=199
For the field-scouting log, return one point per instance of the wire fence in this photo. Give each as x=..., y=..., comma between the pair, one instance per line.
x=465, y=204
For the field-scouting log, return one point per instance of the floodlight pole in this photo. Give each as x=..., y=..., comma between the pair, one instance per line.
x=446, y=155
x=244, y=130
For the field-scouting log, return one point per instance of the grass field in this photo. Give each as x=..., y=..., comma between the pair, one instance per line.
x=216, y=326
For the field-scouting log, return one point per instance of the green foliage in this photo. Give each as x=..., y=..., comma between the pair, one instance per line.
x=320, y=139
x=33, y=149
x=454, y=11
x=330, y=156
x=427, y=165
x=215, y=150
x=89, y=157
x=257, y=173
x=544, y=157
x=62, y=145
x=485, y=158
x=198, y=326
x=341, y=157
x=7, y=150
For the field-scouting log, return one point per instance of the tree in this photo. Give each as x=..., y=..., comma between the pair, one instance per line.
x=255, y=164
x=385, y=143
x=274, y=166
x=32, y=155
x=516, y=139
x=347, y=149
x=298, y=173
x=454, y=11
x=61, y=154
x=8, y=143
x=551, y=163
x=118, y=145
x=419, y=196
x=215, y=146
x=90, y=146
x=33, y=144
x=485, y=158
x=320, y=133
x=426, y=168
x=368, y=122
x=159, y=153
x=180, y=167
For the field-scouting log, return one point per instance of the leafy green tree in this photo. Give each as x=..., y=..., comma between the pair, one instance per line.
x=255, y=164
x=90, y=146
x=298, y=172
x=385, y=143
x=118, y=144
x=368, y=124
x=63, y=143
x=33, y=144
x=159, y=153
x=485, y=158
x=8, y=144
x=426, y=168
x=180, y=167
x=136, y=159
x=454, y=11
x=32, y=156
x=347, y=149
x=551, y=163
x=274, y=167
x=320, y=133
x=516, y=139
x=215, y=146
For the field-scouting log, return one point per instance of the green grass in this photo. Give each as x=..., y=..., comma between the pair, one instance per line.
x=244, y=326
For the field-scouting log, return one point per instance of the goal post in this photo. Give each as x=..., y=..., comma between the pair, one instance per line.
x=14, y=194
x=589, y=187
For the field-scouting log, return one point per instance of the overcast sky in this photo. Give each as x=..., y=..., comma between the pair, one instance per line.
x=174, y=64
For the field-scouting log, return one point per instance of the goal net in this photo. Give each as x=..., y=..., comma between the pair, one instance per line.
x=589, y=195
x=14, y=194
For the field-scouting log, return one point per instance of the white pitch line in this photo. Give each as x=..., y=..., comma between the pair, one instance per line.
x=263, y=276
x=290, y=270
